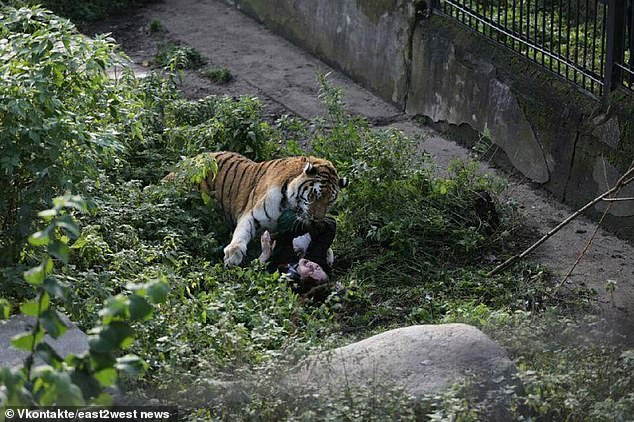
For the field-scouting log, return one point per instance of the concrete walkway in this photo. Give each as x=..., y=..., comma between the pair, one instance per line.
x=271, y=67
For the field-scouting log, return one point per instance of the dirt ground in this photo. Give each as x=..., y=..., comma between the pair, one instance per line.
x=284, y=77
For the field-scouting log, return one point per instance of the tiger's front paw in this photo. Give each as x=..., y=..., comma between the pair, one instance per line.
x=234, y=253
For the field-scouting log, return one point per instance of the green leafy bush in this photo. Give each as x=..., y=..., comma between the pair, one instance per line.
x=220, y=123
x=569, y=368
x=75, y=380
x=59, y=113
x=80, y=11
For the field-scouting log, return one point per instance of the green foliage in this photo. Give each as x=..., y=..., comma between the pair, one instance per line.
x=271, y=402
x=220, y=123
x=75, y=380
x=192, y=171
x=59, y=114
x=236, y=318
x=569, y=369
x=5, y=309
x=484, y=148
x=80, y=11
x=220, y=75
x=176, y=57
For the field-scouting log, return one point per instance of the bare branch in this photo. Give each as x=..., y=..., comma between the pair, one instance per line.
x=623, y=181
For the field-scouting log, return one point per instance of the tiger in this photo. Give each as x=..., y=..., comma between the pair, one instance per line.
x=254, y=195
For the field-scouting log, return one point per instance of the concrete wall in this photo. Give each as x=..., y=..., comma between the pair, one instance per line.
x=368, y=40
x=573, y=145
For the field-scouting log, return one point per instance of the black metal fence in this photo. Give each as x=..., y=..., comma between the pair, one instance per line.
x=587, y=42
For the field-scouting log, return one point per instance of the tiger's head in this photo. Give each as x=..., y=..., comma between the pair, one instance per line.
x=315, y=190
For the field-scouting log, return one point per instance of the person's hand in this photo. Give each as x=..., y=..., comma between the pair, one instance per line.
x=267, y=246
x=301, y=244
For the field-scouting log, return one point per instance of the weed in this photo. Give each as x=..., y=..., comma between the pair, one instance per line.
x=610, y=287
x=176, y=57
x=156, y=26
x=219, y=76
x=484, y=148
x=215, y=124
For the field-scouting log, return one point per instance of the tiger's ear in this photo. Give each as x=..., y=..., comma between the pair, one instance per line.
x=343, y=182
x=310, y=170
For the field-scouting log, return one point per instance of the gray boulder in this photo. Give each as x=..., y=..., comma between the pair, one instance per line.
x=421, y=359
x=73, y=341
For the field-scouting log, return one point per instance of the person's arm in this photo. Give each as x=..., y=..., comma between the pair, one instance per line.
x=267, y=247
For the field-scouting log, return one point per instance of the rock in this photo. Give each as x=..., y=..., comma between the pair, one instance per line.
x=422, y=359
x=73, y=341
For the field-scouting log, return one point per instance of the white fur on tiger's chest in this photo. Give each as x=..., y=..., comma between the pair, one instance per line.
x=268, y=209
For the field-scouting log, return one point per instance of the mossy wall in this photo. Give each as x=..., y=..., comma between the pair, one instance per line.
x=573, y=145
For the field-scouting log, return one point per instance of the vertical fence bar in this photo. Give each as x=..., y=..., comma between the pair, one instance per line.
x=615, y=36
x=520, y=45
x=585, y=42
x=593, y=68
x=568, y=32
x=552, y=32
x=506, y=21
x=499, y=19
x=603, y=44
x=544, y=29
x=630, y=45
x=492, y=18
x=559, y=18
x=536, y=30
x=577, y=38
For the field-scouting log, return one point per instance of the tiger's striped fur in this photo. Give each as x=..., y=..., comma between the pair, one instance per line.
x=254, y=195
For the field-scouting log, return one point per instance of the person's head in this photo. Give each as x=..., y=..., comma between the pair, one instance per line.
x=310, y=271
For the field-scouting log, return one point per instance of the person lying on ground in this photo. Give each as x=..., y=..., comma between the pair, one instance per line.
x=299, y=251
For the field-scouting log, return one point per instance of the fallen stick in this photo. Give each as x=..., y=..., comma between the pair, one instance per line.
x=623, y=181
x=584, y=250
